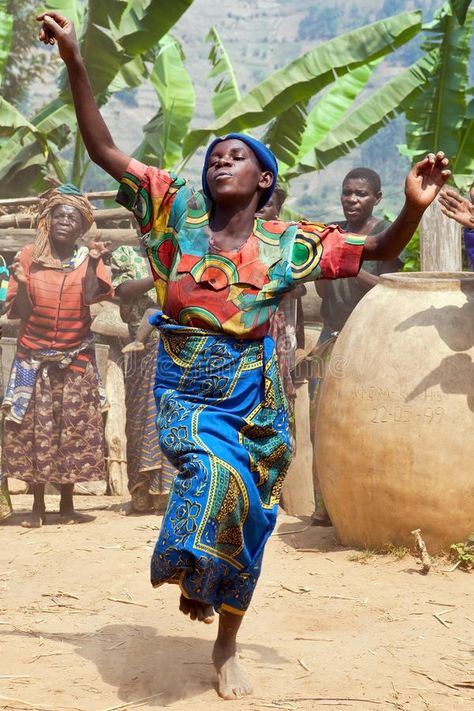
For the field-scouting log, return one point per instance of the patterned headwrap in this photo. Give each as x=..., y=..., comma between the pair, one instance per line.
x=66, y=194
x=264, y=156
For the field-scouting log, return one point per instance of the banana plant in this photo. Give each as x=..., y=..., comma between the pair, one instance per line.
x=298, y=130
x=309, y=74
x=164, y=133
x=226, y=91
x=116, y=58
x=12, y=120
x=345, y=129
x=442, y=117
x=6, y=26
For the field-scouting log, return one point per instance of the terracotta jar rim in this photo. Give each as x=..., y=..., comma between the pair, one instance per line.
x=430, y=281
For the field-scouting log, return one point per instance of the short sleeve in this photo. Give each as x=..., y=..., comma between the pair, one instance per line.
x=150, y=194
x=324, y=252
x=158, y=200
x=126, y=264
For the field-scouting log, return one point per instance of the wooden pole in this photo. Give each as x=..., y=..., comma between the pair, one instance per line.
x=25, y=219
x=13, y=202
x=297, y=492
x=11, y=240
x=115, y=430
x=440, y=242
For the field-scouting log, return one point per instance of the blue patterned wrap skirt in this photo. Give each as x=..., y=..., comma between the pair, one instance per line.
x=223, y=423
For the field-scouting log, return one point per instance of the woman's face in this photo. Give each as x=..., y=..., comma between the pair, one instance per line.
x=270, y=210
x=66, y=225
x=358, y=200
x=234, y=173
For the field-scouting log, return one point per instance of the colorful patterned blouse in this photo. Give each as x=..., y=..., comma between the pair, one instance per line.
x=238, y=291
x=128, y=263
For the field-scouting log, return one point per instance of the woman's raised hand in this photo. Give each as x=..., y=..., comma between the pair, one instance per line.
x=97, y=248
x=457, y=207
x=57, y=28
x=425, y=180
x=17, y=271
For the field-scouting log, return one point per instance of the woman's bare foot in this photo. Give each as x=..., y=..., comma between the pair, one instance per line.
x=70, y=518
x=34, y=520
x=196, y=610
x=133, y=347
x=232, y=683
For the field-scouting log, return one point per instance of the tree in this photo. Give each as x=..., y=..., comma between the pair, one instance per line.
x=442, y=116
x=120, y=42
x=25, y=64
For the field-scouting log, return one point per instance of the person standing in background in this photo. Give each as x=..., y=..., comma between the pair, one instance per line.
x=287, y=327
x=460, y=209
x=5, y=503
x=150, y=474
x=361, y=192
x=53, y=428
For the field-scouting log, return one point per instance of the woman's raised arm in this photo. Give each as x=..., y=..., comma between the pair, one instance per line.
x=423, y=183
x=56, y=28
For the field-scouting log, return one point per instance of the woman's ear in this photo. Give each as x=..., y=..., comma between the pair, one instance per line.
x=266, y=179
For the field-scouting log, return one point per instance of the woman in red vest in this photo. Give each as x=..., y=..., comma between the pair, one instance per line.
x=53, y=430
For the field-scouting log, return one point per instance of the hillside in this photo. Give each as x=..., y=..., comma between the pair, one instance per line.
x=261, y=37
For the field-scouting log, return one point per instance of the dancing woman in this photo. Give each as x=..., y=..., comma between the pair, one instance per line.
x=220, y=274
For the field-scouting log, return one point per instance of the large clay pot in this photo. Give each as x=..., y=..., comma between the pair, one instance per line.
x=395, y=424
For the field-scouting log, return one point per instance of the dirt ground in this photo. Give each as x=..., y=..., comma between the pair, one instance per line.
x=81, y=628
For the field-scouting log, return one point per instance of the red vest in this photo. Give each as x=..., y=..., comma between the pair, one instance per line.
x=61, y=317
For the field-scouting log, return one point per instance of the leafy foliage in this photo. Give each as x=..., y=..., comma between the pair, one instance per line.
x=6, y=25
x=460, y=8
x=164, y=134
x=108, y=32
x=20, y=62
x=463, y=553
x=226, y=91
x=309, y=74
x=441, y=117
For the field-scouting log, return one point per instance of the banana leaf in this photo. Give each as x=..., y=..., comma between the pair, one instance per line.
x=95, y=28
x=153, y=21
x=460, y=8
x=285, y=135
x=24, y=174
x=164, y=134
x=309, y=74
x=30, y=148
x=226, y=91
x=72, y=9
x=293, y=134
x=463, y=164
x=369, y=116
x=436, y=117
x=6, y=25
x=11, y=120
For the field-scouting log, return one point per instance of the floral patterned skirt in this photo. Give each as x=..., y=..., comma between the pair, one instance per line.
x=223, y=423
x=61, y=437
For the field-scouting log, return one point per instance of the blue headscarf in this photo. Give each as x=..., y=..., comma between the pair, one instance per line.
x=264, y=156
